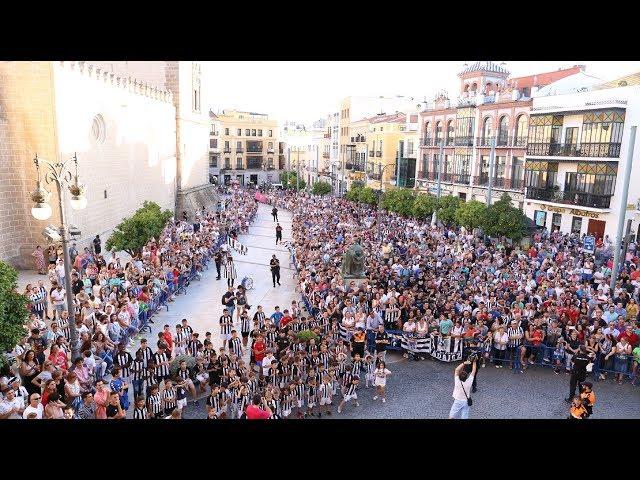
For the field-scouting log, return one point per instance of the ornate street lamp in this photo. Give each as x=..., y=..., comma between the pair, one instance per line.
x=62, y=177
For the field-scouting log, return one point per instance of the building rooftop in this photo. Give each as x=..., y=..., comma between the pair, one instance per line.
x=626, y=81
x=579, y=82
x=483, y=67
x=397, y=117
x=542, y=79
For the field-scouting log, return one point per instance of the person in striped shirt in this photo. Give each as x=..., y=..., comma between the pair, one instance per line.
x=350, y=394
x=169, y=398
x=235, y=344
x=180, y=341
x=154, y=403
x=140, y=411
x=226, y=325
x=325, y=394
x=161, y=360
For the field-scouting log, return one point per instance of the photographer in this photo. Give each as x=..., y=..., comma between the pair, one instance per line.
x=462, y=382
x=471, y=364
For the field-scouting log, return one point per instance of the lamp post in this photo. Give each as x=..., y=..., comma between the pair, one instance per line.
x=62, y=177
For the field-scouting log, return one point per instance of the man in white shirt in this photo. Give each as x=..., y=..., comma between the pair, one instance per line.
x=58, y=298
x=462, y=382
x=34, y=407
x=266, y=362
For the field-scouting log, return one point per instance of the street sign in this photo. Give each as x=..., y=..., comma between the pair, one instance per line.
x=589, y=244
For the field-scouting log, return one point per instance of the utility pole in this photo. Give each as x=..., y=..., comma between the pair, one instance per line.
x=343, y=167
x=434, y=217
x=298, y=169
x=623, y=207
x=492, y=157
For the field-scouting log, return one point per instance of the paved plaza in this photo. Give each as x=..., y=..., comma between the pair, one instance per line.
x=415, y=389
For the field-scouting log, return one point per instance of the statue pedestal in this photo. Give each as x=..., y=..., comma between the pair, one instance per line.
x=358, y=281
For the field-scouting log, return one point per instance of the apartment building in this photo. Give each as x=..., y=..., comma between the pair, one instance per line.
x=302, y=149
x=577, y=147
x=408, y=151
x=490, y=105
x=214, y=148
x=249, y=144
x=354, y=109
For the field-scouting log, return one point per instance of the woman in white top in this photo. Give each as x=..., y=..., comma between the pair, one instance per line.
x=500, y=340
x=409, y=328
x=380, y=375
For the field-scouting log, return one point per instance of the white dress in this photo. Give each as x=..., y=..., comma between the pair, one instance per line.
x=381, y=377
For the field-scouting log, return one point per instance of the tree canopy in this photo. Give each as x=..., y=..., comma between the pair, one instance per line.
x=321, y=188
x=423, y=206
x=470, y=214
x=503, y=219
x=447, y=207
x=13, y=311
x=133, y=233
x=288, y=180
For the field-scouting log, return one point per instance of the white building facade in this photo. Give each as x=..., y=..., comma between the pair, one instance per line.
x=577, y=149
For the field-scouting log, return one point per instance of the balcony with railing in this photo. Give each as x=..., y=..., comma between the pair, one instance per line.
x=597, y=150
x=463, y=141
x=569, y=197
x=348, y=166
x=378, y=153
x=427, y=142
x=449, y=141
x=253, y=163
x=270, y=150
x=374, y=176
x=371, y=153
x=227, y=150
x=239, y=151
x=520, y=142
x=327, y=135
x=325, y=155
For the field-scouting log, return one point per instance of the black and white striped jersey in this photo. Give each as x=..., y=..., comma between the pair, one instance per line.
x=140, y=413
x=154, y=403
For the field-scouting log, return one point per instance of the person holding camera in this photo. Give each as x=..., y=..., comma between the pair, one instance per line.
x=462, y=382
x=468, y=367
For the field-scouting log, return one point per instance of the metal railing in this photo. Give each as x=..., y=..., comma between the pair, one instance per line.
x=569, y=197
x=371, y=153
x=598, y=150
x=463, y=141
x=227, y=150
x=378, y=153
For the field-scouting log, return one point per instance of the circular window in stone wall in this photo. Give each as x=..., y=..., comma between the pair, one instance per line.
x=98, y=129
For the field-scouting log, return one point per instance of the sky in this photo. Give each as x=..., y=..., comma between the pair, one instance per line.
x=307, y=91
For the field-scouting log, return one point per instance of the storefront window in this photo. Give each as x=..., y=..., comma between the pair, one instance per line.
x=540, y=218
x=576, y=225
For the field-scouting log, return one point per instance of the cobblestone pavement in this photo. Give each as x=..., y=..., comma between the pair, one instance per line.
x=421, y=390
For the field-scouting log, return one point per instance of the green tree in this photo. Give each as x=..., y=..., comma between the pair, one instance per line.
x=289, y=180
x=367, y=195
x=321, y=188
x=447, y=207
x=134, y=232
x=399, y=200
x=353, y=194
x=357, y=184
x=503, y=219
x=424, y=205
x=470, y=214
x=13, y=311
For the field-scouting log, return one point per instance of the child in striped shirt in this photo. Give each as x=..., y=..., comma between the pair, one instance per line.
x=140, y=411
x=154, y=402
x=169, y=397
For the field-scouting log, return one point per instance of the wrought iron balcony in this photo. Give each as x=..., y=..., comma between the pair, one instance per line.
x=463, y=141
x=378, y=153
x=348, y=166
x=371, y=153
x=325, y=155
x=520, y=142
x=599, y=150
x=327, y=135
x=270, y=150
x=254, y=164
x=428, y=176
x=569, y=197
x=461, y=178
x=239, y=151
x=427, y=142
x=227, y=150
x=449, y=141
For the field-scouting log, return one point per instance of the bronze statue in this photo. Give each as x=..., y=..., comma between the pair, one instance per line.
x=353, y=261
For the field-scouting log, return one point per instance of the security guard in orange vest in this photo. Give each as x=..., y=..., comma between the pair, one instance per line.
x=588, y=397
x=577, y=411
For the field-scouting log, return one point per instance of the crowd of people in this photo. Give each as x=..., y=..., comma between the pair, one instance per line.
x=547, y=304
x=550, y=304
